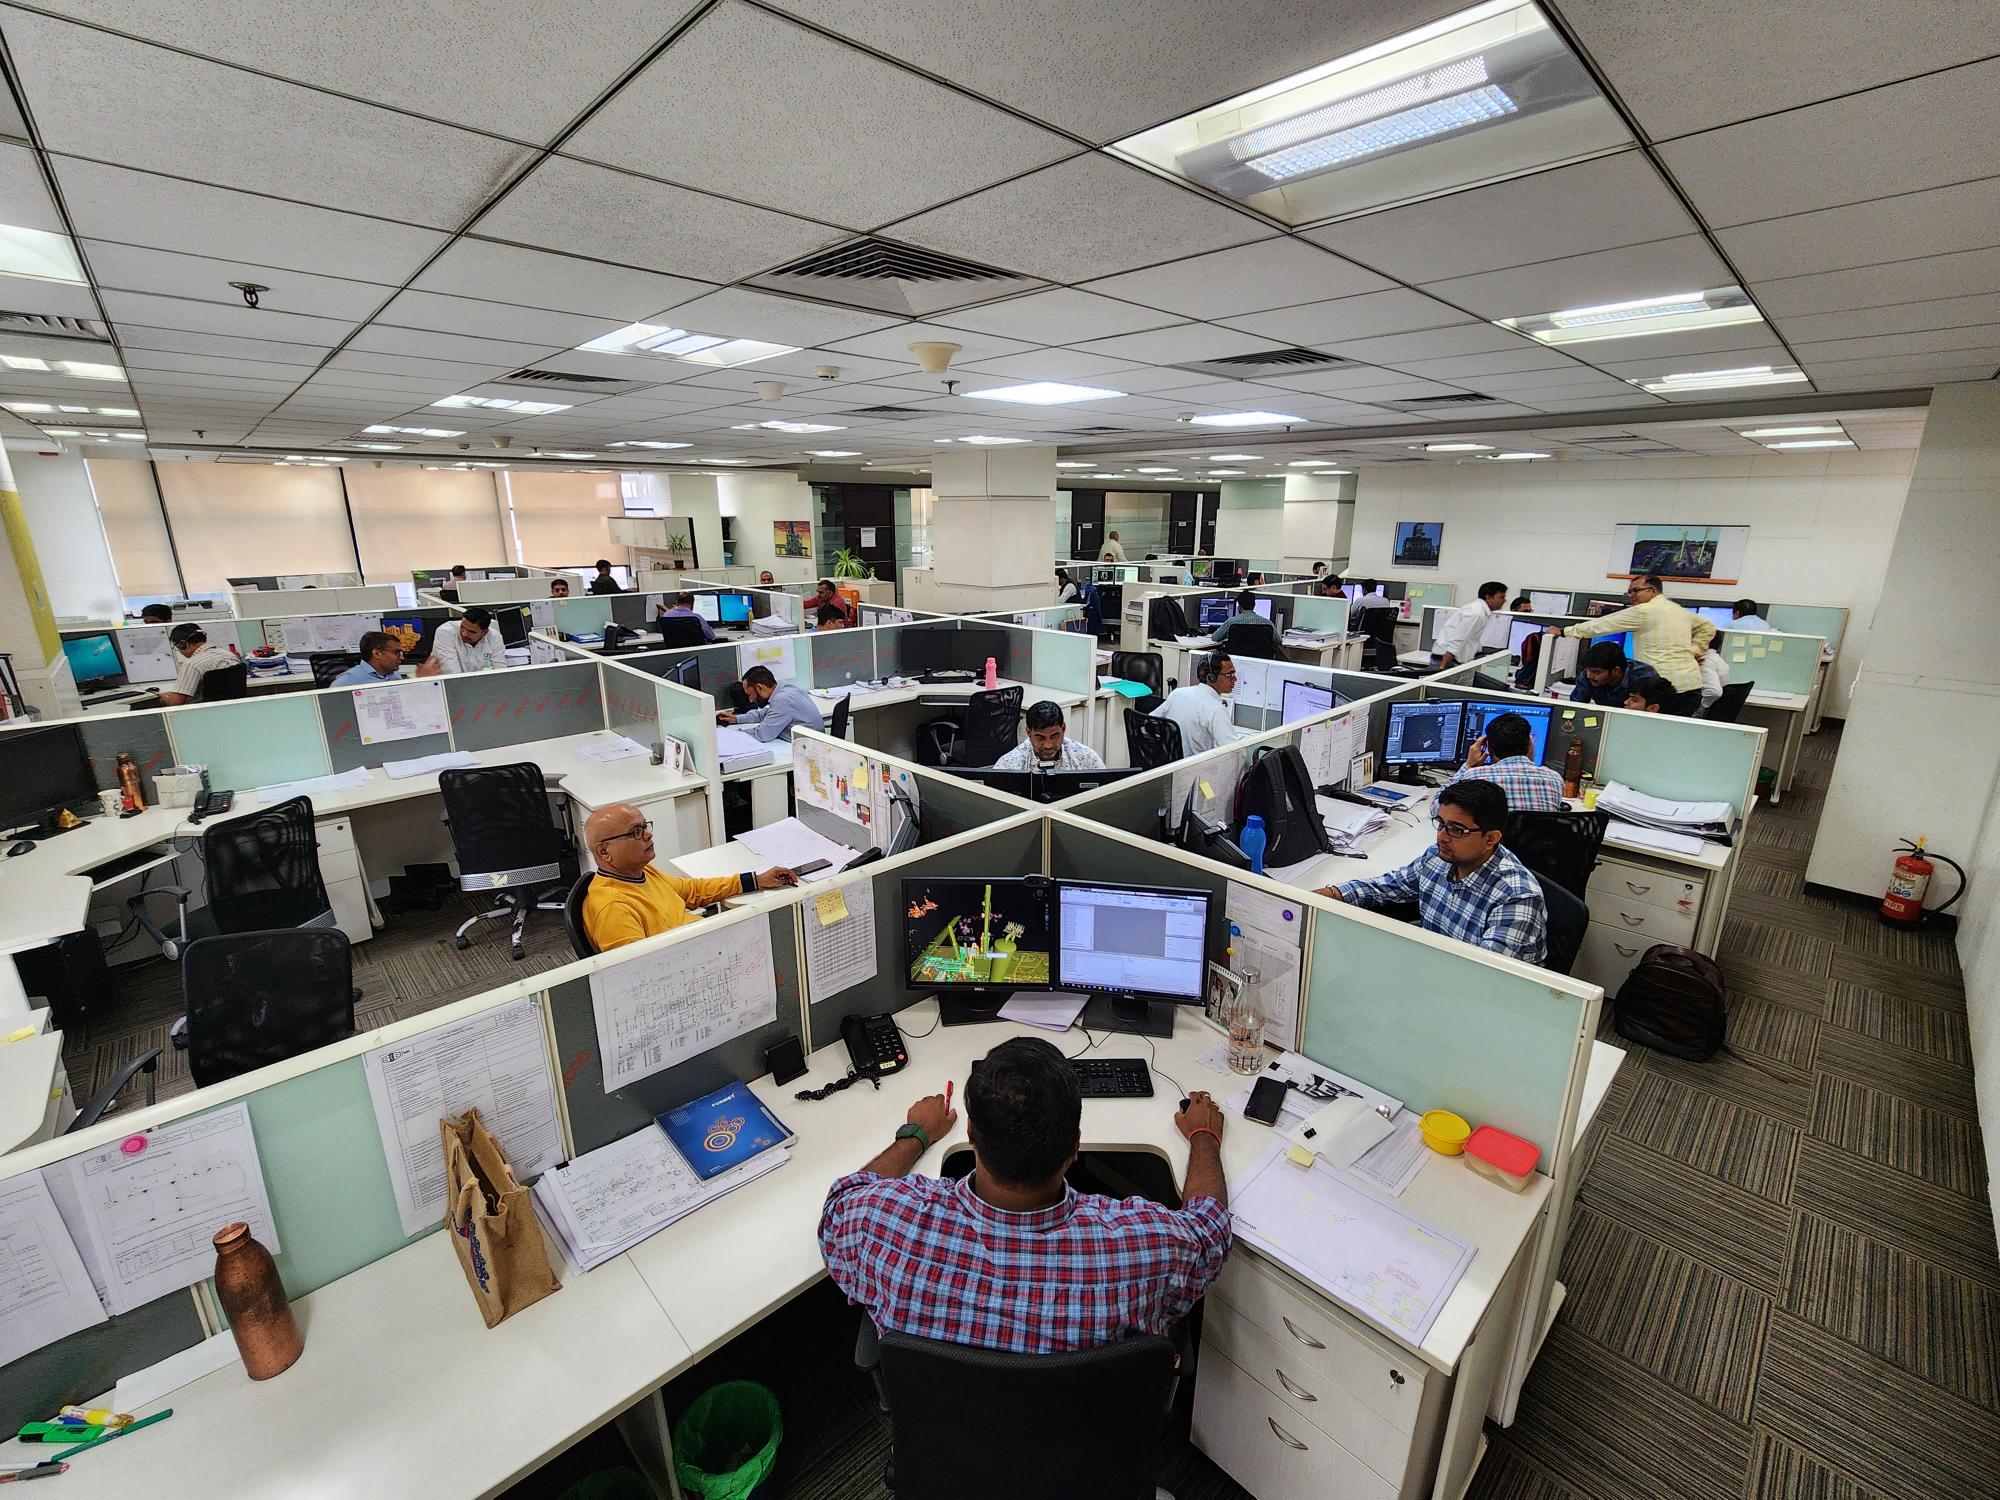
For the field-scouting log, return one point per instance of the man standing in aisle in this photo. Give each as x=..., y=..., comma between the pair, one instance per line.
x=1665, y=637
x=778, y=707
x=630, y=899
x=1199, y=708
x=1114, y=550
x=1456, y=639
x=472, y=646
x=604, y=583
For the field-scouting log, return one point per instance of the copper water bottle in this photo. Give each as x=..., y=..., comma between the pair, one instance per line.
x=254, y=1301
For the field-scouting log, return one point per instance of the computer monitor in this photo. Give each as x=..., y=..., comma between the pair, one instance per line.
x=1721, y=616
x=41, y=772
x=1548, y=601
x=1215, y=611
x=976, y=941
x=1055, y=786
x=708, y=606
x=1422, y=734
x=924, y=648
x=1518, y=631
x=686, y=672
x=94, y=661
x=415, y=632
x=1015, y=783
x=1264, y=607
x=513, y=625
x=1596, y=604
x=1136, y=950
x=1622, y=640
x=1538, y=716
x=1301, y=700
x=976, y=644
x=734, y=609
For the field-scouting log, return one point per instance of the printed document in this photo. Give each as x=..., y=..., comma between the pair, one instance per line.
x=713, y=984
x=840, y=952
x=45, y=1292
x=401, y=710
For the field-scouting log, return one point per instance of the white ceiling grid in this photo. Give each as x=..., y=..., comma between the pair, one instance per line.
x=442, y=193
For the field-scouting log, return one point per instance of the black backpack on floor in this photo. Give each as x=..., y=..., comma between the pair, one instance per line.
x=1673, y=1001
x=1279, y=789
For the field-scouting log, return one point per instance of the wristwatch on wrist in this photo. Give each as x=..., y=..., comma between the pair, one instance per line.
x=904, y=1132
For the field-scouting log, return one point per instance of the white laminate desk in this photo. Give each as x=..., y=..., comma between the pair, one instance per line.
x=35, y=1102
x=1341, y=652
x=1786, y=717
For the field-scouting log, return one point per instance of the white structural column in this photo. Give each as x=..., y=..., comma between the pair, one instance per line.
x=990, y=530
x=690, y=498
x=1319, y=520
x=27, y=619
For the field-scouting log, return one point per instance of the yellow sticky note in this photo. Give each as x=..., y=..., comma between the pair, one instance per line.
x=1776, y=646
x=1568, y=714
x=1207, y=792
x=832, y=907
x=1298, y=1156
x=1590, y=722
x=1739, y=658
x=1755, y=652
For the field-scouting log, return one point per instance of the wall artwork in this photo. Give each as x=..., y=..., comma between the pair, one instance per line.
x=1418, y=544
x=792, y=538
x=1679, y=554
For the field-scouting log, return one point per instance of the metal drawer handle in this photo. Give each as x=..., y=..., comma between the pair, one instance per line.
x=1397, y=1376
x=1285, y=1437
x=1307, y=1339
x=1291, y=1389
x=1637, y=890
x=1630, y=921
x=1623, y=951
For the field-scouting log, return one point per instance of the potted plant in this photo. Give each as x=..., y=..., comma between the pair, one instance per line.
x=847, y=563
x=677, y=542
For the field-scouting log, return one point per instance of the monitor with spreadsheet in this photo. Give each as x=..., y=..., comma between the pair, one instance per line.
x=1538, y=716
x=708, y=606
x=1422, y=734
x=1136, y=949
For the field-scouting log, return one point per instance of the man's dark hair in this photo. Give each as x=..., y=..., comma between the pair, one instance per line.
x=1657, y=691
x=684, y=600
x=477, y=616
x=1652, y=581
x=1063, y=574
x=829, y=615
x=1481, y=801
x=1024, y=1111
x=185, y=635
x=1488, y=590
x=1046, y=714
x=1246, y=602
x=827, y=584
x=1606, y=654
x=377, y=640
x=1208, y=665
x=1369, y=585
x=1520, y=600
x=156, y=614
x=458, y=570
x=760, y=677
x=1744, y=607
x=1508, y=735
x=603, y=565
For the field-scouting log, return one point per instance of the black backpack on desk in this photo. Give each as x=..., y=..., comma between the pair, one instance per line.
x=1279, y=789
x=1674, y=1002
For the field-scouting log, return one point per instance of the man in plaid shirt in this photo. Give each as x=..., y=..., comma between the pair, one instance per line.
x=1466, y=886
x=1505, y=756
x=1013, y=1257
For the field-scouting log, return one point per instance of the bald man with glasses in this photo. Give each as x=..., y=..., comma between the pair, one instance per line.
x=632, y=899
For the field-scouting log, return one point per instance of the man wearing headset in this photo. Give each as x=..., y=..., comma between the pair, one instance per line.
x=1199, y=708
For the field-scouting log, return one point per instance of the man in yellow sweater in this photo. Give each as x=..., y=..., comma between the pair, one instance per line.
x=630, y=899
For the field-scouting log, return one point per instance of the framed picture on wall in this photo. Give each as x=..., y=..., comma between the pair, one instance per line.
x=1418, y=544
x=1679, y=554
x=792, y=538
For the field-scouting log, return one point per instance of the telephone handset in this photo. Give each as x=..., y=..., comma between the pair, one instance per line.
x=874, y=1045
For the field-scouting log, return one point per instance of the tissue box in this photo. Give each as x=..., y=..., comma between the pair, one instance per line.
x=176, y=788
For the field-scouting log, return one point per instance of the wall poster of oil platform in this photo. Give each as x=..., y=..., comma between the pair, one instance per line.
x=1679, y=554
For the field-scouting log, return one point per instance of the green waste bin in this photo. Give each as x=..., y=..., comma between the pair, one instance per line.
x=726, y=1444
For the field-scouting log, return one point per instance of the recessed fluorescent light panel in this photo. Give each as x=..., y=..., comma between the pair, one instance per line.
x=1045, y=393
x=1246, y=419
x=1671, y=312
x=982, y=441
x=833, y=453
x=38, y=255
x=27, y=405
x=383, y=447
x=1814, y=443
x=1458, y=447
x=23, y=362
x=1820, y=429
x=1234, y=458
x=652, y=341
x=1723, y=380
x=646, y=443
x=1310, y=463
x=1157, y=470
x=1486, y=94
x=557, y=453
x=506, y=403
x=83, y=370
x=429, y=432
x=792, y=427
x=1073, y=463
x=1225, y=473
x=1503, y=458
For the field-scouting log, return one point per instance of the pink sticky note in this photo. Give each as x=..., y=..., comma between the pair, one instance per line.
x=132, y=1145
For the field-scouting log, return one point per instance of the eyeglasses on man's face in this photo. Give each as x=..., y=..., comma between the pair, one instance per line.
x=1453, y=830
x=636, y=831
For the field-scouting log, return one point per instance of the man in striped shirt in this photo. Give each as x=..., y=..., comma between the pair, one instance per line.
x=1665, y=637
x=1012, y=1257
x=1504, y=755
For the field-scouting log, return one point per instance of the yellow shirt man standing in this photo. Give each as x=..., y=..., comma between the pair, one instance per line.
x=1665, y=637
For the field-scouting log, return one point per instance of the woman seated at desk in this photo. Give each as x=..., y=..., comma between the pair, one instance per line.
x=631, y=899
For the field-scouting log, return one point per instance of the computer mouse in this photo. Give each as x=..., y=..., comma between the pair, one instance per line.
x=25, y=846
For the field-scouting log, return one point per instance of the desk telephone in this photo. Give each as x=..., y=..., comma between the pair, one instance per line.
x=874, y=1045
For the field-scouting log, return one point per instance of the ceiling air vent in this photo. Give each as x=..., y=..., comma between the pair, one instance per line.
x=1265, y=362
x=54, y=328
x=1442, y=403
x=881, y=276
x=588, y=385
x=889, y=413
x=1097, y=431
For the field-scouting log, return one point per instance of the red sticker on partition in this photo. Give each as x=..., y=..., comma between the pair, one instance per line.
x=132, y=1145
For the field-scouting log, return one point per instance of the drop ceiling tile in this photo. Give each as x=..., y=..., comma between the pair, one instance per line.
x=1061, y=315
x=1543, y=363
x=1926, y=279
x=1957, y=364
x=1071, y=365
x=436, y=312
x=182, y=341
x=132, y=269
x=1632, y=396
x=226, y=318
x=1341, y=379
x=1372, y=313
x=1885, y=380
x=1927, y=132
x=582, y=209
x=137, y=359
x=524, y=70
x=1751, y=65
x=102, y=96
x=1402, y=390
x=52, y=299
x=785, y=131
x=1250, y=278
x=460, y=374
x=1929, y=341
x=25, y=193
x=1177, y=345
x=1937, y=221
x=1649, y=270
x=474, y=267
x=1245, y=395
x=1395, y=350
x=1113, y=217
x=1904, y=317
x=742, y=313
x=1526, y=384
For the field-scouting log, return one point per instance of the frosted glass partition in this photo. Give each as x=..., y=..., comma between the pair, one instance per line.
x=1063, y=660
x=262, y=604
x=1776, y=663
x=1423, y=595
x=835, y=658
x=586, y=616
x=248, y=744
x=690, y=716
x=1828, y=620
x=1315, y=612
x=1684, y=759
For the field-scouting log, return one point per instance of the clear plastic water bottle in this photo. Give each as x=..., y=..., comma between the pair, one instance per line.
x=1254, y=841
x=1245, y=1025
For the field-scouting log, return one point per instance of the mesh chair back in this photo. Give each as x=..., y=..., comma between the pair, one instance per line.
x=263, y=869
x=501, y=829
x=1150, y=742
x=842, y=712
x=224, y=683
x=255, y=998
x=1560, y=845
x=1146, y=668
x=579, y=939
x=1258, y=641
x=1379, y=625
x=1728, y=708
x=992, y=721
x=1568, y=917
x=327, y=665
x=959, y=1414
x=681, y=630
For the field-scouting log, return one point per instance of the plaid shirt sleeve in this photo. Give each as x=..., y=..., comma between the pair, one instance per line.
x=1517, y=927
x=1201, y=1226
x=1383, y=890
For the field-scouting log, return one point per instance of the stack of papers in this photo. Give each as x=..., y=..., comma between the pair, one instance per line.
x=1696, y=820
x=1352, y=827
x=1056, y=1011
x=618, y=747
x=739, y=749
x=426, y=765
x=605, y=1202
x=790, y=843
x=773, y=625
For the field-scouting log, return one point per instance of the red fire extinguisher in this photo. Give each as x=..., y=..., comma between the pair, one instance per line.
x=1910, y=882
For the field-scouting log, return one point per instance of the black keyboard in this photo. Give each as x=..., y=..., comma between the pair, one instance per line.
x=112, y=868
x=1113, y=1078
x=116, y=694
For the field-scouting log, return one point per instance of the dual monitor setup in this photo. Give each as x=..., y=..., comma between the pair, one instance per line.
x=1134, y=951
x=1435, y=733
x=723, y=609
x=1215, y=610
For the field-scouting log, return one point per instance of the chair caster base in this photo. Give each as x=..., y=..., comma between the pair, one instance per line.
x=519, y=953
x=463, y=943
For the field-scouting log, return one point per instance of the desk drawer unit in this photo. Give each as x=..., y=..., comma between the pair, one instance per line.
x=1259, y=1441
x=1608, y=954
x=1642, y=919
x=1617, y=881
x=340, y=868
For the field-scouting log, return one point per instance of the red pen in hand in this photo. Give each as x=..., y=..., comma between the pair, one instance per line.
x=947, y=1095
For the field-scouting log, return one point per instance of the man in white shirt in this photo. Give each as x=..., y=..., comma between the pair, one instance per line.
x=1458, y=631
x=1714, y=673
x=1114, y=550
x=1199, y=708
x=197, y=659
x=473, y=646
x=1749, y=618
x=1048, y=747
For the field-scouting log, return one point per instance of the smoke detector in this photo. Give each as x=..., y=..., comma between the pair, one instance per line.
x=826, y=372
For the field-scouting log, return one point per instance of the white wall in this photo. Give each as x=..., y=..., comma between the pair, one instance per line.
x=68, y=533
x=1979, y=957
x=753, y=502
x=1319, y=521
x=1820, y=525
x=1250, y=524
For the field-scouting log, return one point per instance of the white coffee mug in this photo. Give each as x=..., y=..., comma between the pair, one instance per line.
x=113, y=800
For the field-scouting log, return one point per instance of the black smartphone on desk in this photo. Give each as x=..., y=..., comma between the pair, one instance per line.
x=1267, y=1097
x=874, y=1045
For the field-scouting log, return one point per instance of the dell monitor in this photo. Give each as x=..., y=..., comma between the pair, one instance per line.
x=1301, y=700
x=709, y=607
x=1215, y=611
x=1721, y=616
x=94, y=661
x=1137, y=951
x=1548, y=601
x=1421, y=734
x=1537, y=714
x=975, y=942
x=732, y=609
x=42, y=772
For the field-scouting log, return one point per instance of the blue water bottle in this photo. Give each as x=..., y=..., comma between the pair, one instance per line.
x=1253, y=842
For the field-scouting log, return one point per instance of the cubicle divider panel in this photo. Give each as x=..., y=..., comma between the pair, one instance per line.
x=597, y=1118
x=951, y=806
x=86, y=1365
x=1776, y=663
x=1828, y=621
x=247, y=744
x=837, y=657
x=689, y=716
x=1014, y=849
x=1422, y=595
x=143, y=736
x=1063, y=660
x=1314, y=612
x=633, y=609
x=343, y=735
x=1681, y=759
x=493, y=709
x=586, y=616
x=1440, y=1029
x=631, y=704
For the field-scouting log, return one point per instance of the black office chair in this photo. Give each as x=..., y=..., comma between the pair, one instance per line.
x=681, y=630
x=1729, y=707
x=223, y=684
x=843, y=711
x=261, y=872
x=326, y=665
x=256, y=998
x=1151, y=742
x=1256, y=641
x=147, y=1062
x=1560, y=845
x=505, y=840
x=1569, y=918
x=579, y=939
x=1378, y=653
x=991, y=729
x=958, y=1415
x=1144, y=667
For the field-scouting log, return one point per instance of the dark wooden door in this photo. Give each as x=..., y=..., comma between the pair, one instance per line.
x=1086, y=524
x=1180, y=523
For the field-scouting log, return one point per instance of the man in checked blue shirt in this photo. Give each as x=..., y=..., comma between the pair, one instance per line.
x=1467, y=886
x=1505, y=756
